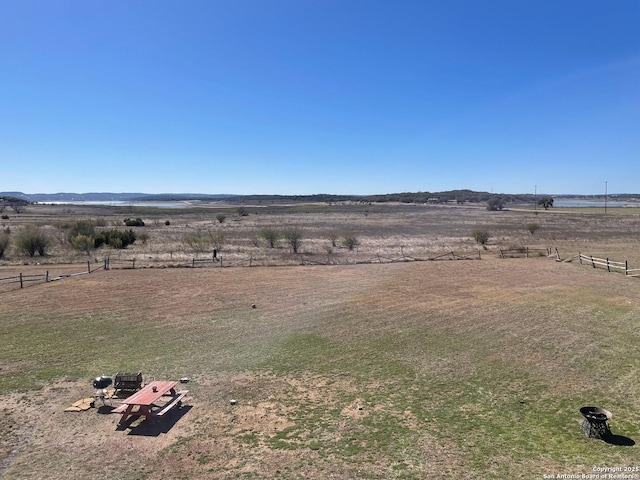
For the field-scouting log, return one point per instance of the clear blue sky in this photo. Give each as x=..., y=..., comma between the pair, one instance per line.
x=319, y=96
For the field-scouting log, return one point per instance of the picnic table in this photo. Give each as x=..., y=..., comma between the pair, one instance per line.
x=143, y=402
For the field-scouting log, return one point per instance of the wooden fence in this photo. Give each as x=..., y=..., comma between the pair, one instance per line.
x=21, y=280
x=526, y=251
x=126, y=264
x=596, y=262
x=384, y=259
x=336, y=260
x=610, y=265
x=219, y=261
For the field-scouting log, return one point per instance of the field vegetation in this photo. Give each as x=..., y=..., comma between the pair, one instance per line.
x=409, y=370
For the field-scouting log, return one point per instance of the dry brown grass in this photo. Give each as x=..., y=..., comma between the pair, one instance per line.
x=390, y=231
x=467, y=369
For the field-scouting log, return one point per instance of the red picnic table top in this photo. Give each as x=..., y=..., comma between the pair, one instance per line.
x=151, y=393
x=142, y=402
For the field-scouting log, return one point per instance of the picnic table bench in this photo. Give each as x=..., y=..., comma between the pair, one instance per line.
x=144, y=401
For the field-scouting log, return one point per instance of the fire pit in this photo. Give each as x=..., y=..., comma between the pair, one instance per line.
x=595, y=422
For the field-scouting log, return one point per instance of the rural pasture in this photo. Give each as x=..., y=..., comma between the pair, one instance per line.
x=410, y=370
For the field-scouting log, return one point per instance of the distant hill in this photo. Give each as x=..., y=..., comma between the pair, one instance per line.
x=451, y=196
x=460, y=196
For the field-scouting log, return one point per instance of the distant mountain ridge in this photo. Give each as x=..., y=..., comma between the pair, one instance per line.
x=110, y=197
x=460, y=196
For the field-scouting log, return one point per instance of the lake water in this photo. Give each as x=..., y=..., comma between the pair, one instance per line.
x=118, y=203
x=593, y=203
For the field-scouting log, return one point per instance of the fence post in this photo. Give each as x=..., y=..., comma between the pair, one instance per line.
x=21, y=284
x=593, y=264
x=608, y=267
x=580, y=257
x=193, y=263
x=626, y=267
x=479, y=255
x=557, y=255
x=88, y=266
x=250, y=258
x=134, y=263
x=527, y=252
x=46, y=277
x=220, y=262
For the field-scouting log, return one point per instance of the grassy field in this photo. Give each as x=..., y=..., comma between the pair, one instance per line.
x=449, y=369
x=388, y=230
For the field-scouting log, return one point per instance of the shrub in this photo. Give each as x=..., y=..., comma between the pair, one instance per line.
x=481, y=236
x=81, y=227
x=167, y=223
x=115, y=238
x=350, y=241
x=201, y=241
x=495, y=203
x=143, y=237
x=32, y=240
x=293, y=236
x=5, y=217
x=332, y=237
x=271, y=235
x=83, y=243
x=131, y=222
x=242, y=212
x=221, y=217
x=4, y=244
x=532, y=227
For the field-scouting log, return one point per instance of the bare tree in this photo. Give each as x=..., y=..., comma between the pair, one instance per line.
x=293, y=236
x=332, y=236
x=271, y=235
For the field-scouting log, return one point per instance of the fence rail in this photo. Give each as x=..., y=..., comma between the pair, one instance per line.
x=22, y=280
x=526, y=251
x=329, y=259
x=384, y=259
x=597, y=262
x=604, y=262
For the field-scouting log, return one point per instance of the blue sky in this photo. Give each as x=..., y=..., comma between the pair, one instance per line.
x=320, y=96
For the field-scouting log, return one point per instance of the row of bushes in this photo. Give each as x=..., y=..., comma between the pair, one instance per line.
x=294, y=235
x=81, y=235
x=30, y=241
